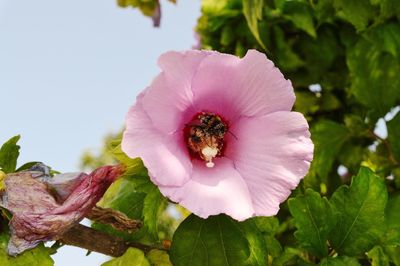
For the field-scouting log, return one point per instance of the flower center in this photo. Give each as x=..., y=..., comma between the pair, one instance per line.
x=205, y=136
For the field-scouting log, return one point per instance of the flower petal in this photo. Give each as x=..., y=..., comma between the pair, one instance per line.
x=164, y=155
x=212, y=191
x=272, y=153
x=170, y=96
x=64, y=184
x=38, y=217
x=233, y=87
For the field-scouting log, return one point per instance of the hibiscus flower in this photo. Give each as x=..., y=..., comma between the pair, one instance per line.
x=44, y=207
x=217, y=134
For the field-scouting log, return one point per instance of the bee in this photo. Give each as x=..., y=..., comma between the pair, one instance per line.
x=205, y=136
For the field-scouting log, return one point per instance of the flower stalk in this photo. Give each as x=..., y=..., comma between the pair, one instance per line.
x=97, y=241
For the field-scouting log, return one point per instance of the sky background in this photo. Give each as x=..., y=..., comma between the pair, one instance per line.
x=69, y=70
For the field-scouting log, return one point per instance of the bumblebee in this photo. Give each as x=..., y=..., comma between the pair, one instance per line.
x=205, y=136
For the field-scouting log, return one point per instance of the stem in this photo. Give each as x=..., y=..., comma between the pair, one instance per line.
x=97, y=241
x=385, y=142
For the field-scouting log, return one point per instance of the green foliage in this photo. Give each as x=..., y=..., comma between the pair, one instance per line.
x=137, y=197
x=149, y=8
x=328, y=138
x=359, y=13
x=392, y=213
x=136, y=257
x=9, y=153
x=39, y=256
x=269, y=227
x=132, y=256
x=252, y=10
x=158, y=258
x=378, y=257
x=133, y=194
x=218, y=240
x=394, y=136
x=374, y=83
x=314, y=218
x=340, y=261
x=361, y=214
x=351, y=50
x=300, y=14
x=151, y=206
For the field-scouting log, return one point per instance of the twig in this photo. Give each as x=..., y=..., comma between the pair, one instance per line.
x=385, y=142
x=97, y=241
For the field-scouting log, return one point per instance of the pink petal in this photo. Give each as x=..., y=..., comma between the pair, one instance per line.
x=233, y=87
x=63, y=184
x=165, y=155
x=168, y=101
x=272, y=153
x=37, y=216
x=212, y=191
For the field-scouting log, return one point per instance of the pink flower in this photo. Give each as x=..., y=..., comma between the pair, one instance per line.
x=217, y=135
x=44, y=207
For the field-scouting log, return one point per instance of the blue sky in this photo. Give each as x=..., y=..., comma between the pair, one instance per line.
x=69, y=70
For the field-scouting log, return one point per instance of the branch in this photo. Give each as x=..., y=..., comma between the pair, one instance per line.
x=97, y=241
x=386, y=143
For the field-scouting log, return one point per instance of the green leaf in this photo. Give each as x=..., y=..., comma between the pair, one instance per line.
x=328, y=138
x=374, y=74
x=340, y=261
x=26, y=166
x=212, y=6
x=252, y=10
x=269, y=226
x=284, y=55
x=9, y=153
x=273, y=245
x=290, y=256
x=147, y=7
x=378, y=257
x=386, y=37
x=393, y=253
x=393, y=127
x=359, y=13
x=132, y=256
x=390, y=8
x=2, y=177
x=137, y=197
x=392, y=218
x=314, y=218
x=218, y=240
x=324, y=10
x=39, y=256
x=300, y=14
x=128, y=201
x=151, y=207
x=123, y=196
x=361, y=210
x=357, y=125
x=158, y=258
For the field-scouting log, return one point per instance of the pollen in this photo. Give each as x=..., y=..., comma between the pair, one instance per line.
x=209, y=153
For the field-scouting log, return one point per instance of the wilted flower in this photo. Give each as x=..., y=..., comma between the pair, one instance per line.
x=44, y=207
x=217, y=134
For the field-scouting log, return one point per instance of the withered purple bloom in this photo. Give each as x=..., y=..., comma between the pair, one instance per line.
x=44, y=207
